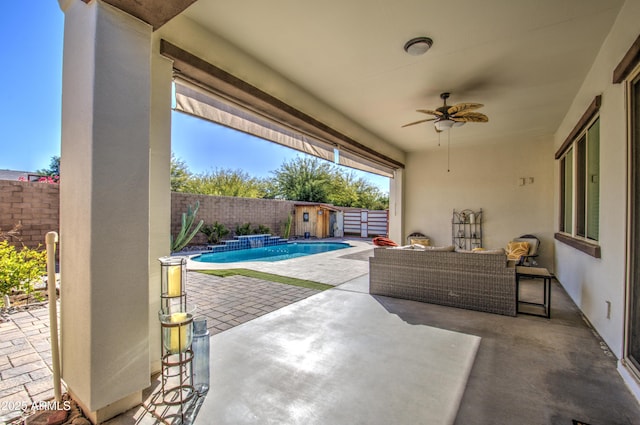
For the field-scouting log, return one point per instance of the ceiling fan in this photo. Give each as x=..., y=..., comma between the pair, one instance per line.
x=447, y=116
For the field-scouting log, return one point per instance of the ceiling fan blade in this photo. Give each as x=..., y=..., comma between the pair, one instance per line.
x=463, y=113
x=471, y=117
x=418, y=122
x=430, y=112
x=463, y=107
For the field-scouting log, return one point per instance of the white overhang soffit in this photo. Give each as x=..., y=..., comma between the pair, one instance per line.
x=207, y=92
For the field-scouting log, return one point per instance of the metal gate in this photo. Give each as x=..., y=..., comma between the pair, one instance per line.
x=366, y=223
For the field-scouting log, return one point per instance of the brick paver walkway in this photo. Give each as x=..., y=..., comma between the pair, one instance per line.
x=229, y=301
x=25, y=349
x=25, y=360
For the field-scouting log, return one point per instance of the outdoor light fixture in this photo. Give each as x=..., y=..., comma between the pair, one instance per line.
x=444, y=124
x=418, y=46
x=447, y=124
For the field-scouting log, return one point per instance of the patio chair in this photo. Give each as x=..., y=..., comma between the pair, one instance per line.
x=419, y=238
x=523, y=250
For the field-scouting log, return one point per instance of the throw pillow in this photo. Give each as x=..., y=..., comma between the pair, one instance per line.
x=420, y=241
x=515, y=250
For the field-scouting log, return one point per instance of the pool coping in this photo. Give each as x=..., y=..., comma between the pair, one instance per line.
x=345, y=245
x=310, y=267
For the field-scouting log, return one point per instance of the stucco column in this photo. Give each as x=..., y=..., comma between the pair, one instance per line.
x=396, y=202
x=105, y=207
x=159, y=188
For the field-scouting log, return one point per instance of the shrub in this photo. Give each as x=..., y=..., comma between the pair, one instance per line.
x=261, y=230
x=287, y=227
x=243, y=230
x=13, y=234
x=184, y=237
x=20, y=268
x=215, y=232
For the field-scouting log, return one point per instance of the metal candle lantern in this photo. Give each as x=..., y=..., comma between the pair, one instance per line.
x=173, y=279
x=176, y=321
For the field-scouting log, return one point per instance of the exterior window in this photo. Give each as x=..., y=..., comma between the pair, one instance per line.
x=593, y=182
x=567, y=192
x=579, y=185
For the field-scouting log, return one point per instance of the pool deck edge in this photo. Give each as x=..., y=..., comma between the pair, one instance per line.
x=306, y=267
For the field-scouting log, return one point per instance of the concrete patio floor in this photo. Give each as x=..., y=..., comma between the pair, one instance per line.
x=346, y=357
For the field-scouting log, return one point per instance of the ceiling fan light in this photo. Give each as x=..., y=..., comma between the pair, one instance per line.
x=445, y=124
x=418, y=46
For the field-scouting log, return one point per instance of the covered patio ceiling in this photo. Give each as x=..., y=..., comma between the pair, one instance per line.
x=524, y=61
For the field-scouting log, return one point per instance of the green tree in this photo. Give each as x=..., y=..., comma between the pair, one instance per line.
x=300, y=179
x=369, y=196
x=54, y=168
x=304, y=179
x=315, y=180
x=344, y=191
x=226, y=182
x=180, y=174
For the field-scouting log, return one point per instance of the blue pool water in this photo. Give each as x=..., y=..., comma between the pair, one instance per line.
x=271, y=253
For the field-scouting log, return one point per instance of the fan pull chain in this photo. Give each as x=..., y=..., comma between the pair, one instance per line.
x=439, y=138
x=448, y=150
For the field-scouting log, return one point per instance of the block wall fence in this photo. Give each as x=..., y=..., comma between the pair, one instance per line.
x=37, y=207
x=231, y=212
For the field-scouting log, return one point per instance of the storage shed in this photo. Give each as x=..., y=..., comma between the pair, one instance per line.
x=314, y=220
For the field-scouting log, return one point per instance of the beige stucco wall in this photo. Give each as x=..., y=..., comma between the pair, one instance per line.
x=487, y=177
x=589, y=281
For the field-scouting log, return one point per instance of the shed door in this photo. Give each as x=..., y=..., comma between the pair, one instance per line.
x=364, y=224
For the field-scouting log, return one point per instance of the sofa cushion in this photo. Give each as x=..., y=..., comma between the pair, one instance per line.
x=489, y=251
x=449, y=248
x=412, y=246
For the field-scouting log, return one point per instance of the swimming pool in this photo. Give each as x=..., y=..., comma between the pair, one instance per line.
x=271, y=253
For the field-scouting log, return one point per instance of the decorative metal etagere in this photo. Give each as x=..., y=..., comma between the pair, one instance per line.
x=466, y=229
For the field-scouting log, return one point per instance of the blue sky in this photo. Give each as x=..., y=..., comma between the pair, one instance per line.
x=30, y=107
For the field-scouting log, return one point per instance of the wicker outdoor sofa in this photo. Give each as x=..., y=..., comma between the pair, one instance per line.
x=474, y=281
